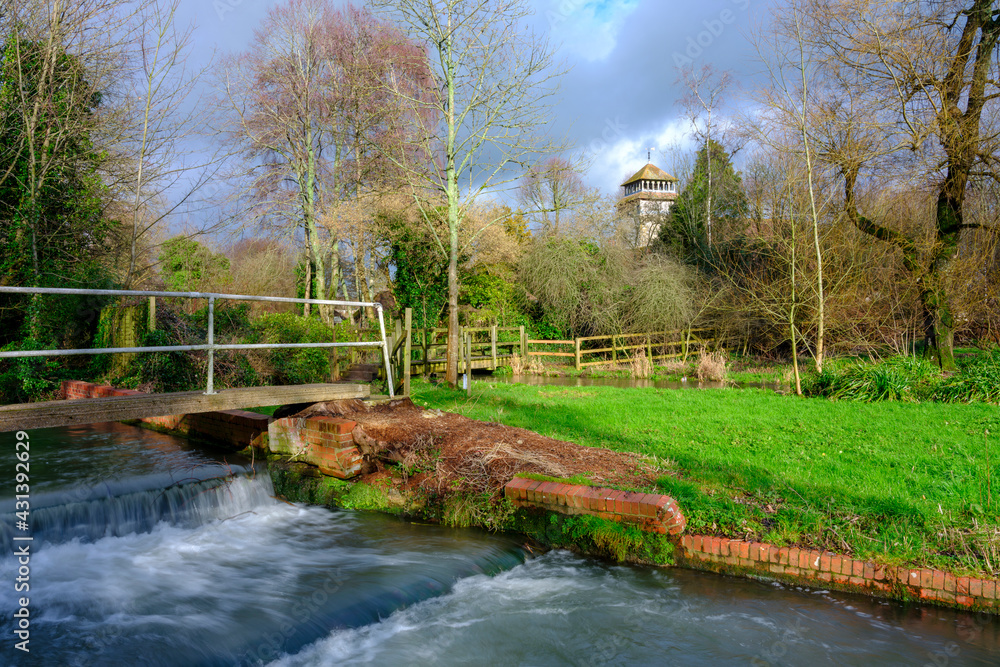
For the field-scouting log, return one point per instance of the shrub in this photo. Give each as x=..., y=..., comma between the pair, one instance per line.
x=979, y=380
x=895, y=379
x=296, y=366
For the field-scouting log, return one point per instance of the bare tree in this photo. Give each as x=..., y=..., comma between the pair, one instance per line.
x=706, y=94
x=788, y=100
x=552, y=187
x=912, y=98
x=305, y=103
x=492, y=79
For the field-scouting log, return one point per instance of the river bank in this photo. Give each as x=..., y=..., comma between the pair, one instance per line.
x=868, y=489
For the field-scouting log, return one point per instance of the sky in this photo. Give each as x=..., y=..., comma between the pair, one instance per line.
x=620, y=96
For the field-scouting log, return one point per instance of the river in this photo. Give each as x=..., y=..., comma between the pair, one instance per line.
x=148, y=551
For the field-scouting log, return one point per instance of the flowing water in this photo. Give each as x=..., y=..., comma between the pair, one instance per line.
x=150, y=552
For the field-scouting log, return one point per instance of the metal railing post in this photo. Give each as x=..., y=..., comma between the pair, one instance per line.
x=211, y=345
x=385, y=350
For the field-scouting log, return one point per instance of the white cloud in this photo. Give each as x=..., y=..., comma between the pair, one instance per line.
x=588, y=28
x=612, y=159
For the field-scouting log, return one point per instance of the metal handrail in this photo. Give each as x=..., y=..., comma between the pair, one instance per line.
x=210, y=346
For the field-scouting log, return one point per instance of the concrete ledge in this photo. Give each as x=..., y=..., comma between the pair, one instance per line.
x=654, y=513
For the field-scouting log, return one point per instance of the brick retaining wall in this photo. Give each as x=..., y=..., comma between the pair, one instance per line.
x=659, y=513
x=233, y=428
x=826, y=569
x=325, y=442
x=652, y=512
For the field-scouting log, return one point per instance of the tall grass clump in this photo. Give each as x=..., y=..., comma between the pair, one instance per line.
x=895, y=379
x=642, y=367
x=979, y=380
x=712, y=366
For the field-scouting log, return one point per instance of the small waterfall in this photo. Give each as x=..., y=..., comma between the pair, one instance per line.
x=136, y=505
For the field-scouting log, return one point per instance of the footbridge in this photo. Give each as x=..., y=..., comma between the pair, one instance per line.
x=136, y=405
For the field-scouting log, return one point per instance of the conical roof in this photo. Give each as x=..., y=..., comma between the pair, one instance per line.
x=650, y=173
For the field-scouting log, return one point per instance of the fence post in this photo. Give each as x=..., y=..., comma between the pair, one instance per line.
x=406, y=358
x=614, y=349
x=493, y=345
x=577, y=364
x=151, y=324
x=385, y=351
x=649, y=348
x=211, y=345
x=468, y=365
x=524, y=343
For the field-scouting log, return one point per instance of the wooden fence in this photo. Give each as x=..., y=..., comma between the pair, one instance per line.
x=424, y=351
x=622, y=347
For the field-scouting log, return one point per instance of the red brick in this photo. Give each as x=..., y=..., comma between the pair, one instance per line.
x=744, y=550
x=858, y=569
x=976, y=587
x=963, y=586
x=836, y=562
x=805, y=559
x=938, y=580
x=950, y=583
x=990, y=590
x=774, y=554
x=648, y=505
x=869, y=571
x=825, y=576
x=715, y=547
x=965, y=600
x=793, y=556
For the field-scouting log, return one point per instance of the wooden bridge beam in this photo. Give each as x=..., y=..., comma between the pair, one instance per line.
x=137, y=406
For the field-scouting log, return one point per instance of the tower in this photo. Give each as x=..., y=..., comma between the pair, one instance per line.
x=647, y=198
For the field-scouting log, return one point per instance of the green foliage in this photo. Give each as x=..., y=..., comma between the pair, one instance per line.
x=53, y=232
x=28, y=379
x=895, y=379
x=188, y=266
x=167, y=371
x=421, y=279
x=585, y=290
x=685, y=230
x=596, y=536
x=483, y=510
x=304, y=366
x=978, y=380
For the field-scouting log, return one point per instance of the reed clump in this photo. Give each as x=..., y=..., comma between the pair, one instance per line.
x=712, y=366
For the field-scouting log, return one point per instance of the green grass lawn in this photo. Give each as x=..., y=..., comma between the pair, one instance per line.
x=895, y=482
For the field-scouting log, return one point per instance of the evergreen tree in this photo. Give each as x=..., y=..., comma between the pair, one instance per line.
x=710, y=209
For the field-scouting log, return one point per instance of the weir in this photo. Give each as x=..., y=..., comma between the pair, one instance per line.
x=167, y=555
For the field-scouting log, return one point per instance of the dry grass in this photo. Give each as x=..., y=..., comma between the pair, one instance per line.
x=674, y=366
x=536, y=366
x=486, y=469
x=517, y=365
x=712, y=366
x=642, y=367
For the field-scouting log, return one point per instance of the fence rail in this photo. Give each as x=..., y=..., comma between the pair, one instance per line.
x=210, y=346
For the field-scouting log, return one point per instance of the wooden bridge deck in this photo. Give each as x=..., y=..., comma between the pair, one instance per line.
x=138, y=406
x=478, y=363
